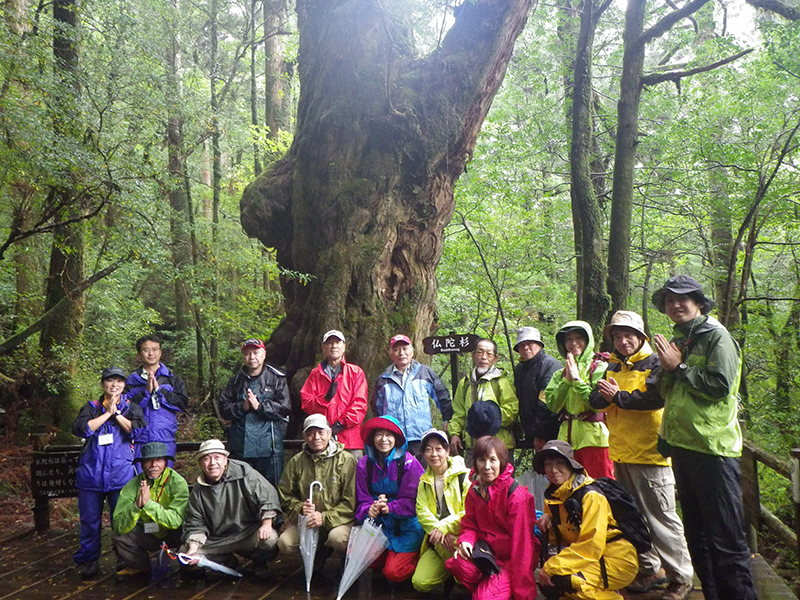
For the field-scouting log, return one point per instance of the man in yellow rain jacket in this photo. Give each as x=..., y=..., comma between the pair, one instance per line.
x=634, y=409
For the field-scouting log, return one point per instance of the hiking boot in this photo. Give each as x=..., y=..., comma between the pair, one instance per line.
x=449, y=584
x=129, y=573
x=261, y=571
x=677, y=591
x=90, y=569
x=320, y=558
x=645, y=583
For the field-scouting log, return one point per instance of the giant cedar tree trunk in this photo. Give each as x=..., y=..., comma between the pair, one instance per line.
x=361, y=199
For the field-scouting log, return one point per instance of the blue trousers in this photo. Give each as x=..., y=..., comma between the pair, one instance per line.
x=271, y=467
x=710, y=491
x=90, y=507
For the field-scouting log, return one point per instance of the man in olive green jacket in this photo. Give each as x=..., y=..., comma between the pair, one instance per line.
x=699, y=381
x=149, y=511
x=330, y=506
x=484, y=383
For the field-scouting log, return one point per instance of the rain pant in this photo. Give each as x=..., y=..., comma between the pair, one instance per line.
x=431, y=570
x=506, y=523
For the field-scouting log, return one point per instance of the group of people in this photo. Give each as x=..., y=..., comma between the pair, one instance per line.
x=656, y=418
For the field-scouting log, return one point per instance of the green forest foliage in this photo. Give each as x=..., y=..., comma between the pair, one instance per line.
x=708, y=143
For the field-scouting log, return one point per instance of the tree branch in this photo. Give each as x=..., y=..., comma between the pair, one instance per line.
x=16, y=340
x=776, y=6
x=495, y=287
x=16, y=236
x=656, y=78
x=668, y=21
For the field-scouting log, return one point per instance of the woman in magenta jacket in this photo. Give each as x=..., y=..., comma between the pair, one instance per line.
x=501, y=514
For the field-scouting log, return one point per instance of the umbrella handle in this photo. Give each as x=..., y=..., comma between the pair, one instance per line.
x=311, y=490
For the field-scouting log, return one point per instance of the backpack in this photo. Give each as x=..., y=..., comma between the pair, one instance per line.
x=623, y=506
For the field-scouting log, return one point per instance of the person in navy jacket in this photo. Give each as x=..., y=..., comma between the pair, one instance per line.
x=161, y=395
x=106, y=463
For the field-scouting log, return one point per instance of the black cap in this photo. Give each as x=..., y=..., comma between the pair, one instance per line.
x=112, y=372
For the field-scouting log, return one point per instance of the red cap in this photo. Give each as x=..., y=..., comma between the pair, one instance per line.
x=253, y=343
x=399, y=338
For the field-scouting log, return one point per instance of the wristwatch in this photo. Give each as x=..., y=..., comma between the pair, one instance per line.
x=681, y=369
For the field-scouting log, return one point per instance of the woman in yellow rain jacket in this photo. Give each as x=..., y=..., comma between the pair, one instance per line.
x=593, y=559
x=441, y=494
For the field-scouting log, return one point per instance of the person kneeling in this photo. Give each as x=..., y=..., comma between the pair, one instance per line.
x=497, y=550
x=230, y=511
x=386, y=490
x=442, y=491
x=149, y=511
x=325, y=461
x=593, y=559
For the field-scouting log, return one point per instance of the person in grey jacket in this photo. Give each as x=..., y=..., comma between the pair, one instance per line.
x=230, y=510
x=256, y=402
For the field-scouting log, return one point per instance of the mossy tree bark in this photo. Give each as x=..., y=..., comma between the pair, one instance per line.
x=60, y=339
x=360, y=201
x=592, y=301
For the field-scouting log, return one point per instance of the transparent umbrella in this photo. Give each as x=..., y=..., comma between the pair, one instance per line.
x=366, y=544
x=309, y=538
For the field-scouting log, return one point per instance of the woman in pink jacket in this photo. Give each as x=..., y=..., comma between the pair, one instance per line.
x=496, y=530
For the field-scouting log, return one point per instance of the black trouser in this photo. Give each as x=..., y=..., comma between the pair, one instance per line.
x=710, y=492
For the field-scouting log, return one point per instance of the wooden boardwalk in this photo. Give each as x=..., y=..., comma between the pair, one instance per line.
x=40, y=567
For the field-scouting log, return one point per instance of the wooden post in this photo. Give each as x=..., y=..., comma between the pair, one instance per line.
x=41, y=514
x=796, y=493
x=454, y=369
x=750, y=497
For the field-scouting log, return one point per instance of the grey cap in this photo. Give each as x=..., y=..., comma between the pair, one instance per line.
x=528, y=334
x=435, y=433
x=625, y=318
x=112, y=372
x=318, y=421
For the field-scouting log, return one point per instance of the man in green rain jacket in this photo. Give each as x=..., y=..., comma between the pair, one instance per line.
x=149, y=511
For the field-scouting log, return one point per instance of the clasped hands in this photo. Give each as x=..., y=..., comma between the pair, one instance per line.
x=251, y=402
x=379, y=507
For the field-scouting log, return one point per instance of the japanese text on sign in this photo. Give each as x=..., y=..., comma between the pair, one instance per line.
x=446, y=344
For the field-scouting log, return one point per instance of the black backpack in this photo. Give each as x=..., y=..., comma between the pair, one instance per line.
x=623, y=506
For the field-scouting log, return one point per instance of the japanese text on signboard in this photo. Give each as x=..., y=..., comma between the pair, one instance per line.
x=453, y=343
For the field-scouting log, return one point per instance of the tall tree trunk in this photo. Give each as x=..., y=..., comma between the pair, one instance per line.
x=278, y=87
x=28, y=274
x=361, y=199
x=586, y=211
x=60, y=339
x=177, y=194
x=721, y=215
x=254, y=81
x=619, y=239
x=216, y=182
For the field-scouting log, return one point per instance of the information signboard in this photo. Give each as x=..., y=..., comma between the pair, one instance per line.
x=453, y=343
x=53, y=474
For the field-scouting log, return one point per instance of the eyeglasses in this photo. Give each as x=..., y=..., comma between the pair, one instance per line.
x=483, y=353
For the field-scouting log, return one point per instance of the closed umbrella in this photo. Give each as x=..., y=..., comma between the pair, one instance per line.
x=366, y=544
x=309, y=538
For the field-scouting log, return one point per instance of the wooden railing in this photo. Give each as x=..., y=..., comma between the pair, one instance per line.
x=755, y=513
